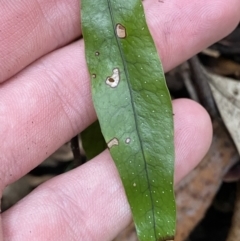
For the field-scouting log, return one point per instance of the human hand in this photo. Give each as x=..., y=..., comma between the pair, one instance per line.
x=48, y=101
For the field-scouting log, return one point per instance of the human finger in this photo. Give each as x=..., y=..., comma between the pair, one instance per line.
x=88, y=203
x=30, y=30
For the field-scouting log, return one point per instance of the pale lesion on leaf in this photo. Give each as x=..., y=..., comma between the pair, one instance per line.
x=113, y=142
x=128, y=140
x=113, y=80
x=121, y=31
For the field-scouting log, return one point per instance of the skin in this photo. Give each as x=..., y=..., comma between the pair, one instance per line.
x=45, y=100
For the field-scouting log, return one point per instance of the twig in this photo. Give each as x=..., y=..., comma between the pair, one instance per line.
x=77, y=158
x=201, y=79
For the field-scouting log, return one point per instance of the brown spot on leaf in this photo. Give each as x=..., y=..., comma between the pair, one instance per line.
x=111, y=80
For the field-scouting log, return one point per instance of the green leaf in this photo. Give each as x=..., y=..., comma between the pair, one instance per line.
x=134, y=109
x=93, y=141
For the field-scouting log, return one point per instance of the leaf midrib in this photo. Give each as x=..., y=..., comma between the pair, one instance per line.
x=134, y=111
